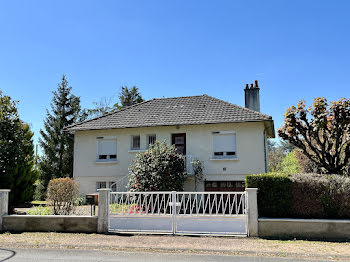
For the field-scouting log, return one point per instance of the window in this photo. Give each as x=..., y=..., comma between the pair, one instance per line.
x=179, y=140
x=224, y=144
x=106, y=149
x=239, y=184
x=151, y=140
x=135, y=142
x=113, y=186
x=100, y=185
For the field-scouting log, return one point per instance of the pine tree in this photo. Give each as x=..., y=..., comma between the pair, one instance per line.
x=129, y=97
x=57, y=145
x=17, y=170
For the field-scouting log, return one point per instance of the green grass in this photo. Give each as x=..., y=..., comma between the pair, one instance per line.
x=40, y=210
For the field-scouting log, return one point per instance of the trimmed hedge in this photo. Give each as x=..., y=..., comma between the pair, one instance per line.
x=302, y=195
x=273, y=193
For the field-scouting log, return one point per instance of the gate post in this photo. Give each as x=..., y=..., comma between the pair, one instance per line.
x=103, y=210
x=252, y=211
x=4, y=204
x=173, y=210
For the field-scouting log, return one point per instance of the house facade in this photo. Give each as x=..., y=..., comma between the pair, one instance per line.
x=229, y=140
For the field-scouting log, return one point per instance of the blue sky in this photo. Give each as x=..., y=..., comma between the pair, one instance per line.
x=295, y=49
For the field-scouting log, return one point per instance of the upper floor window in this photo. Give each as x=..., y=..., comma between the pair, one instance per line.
x=106, y=149
x=151, y=139
x=135, y=142
x=224, y=144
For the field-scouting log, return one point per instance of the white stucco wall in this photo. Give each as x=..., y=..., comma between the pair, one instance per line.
x=199, y=144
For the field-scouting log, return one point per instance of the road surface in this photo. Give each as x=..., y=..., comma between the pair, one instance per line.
x=36, y=254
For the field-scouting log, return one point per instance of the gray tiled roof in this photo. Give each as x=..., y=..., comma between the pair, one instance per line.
x=190, y=110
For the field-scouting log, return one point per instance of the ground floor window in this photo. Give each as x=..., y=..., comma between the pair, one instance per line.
x=224, y=186
x=100, y=185
x=111, y=185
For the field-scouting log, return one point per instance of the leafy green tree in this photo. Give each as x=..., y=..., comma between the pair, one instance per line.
x=290, y=164
x=321, y=132
x=276, y=155
x=129, y=97
x=57, y=145
x=160, y=168
x=17, y=170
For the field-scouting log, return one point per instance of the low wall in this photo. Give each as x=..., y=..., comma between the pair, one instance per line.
x=77, y=224
x=304, y=228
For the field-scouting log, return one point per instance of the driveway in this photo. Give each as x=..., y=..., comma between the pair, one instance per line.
x=13, y=255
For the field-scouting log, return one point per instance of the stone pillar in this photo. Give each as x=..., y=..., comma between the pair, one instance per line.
x=103, y=210
x=252, y=211
x=4, y=204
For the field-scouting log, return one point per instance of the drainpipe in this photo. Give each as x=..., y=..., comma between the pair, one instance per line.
x=265, y=152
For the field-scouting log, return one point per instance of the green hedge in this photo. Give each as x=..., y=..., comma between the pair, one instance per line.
x=302, y=195
x=273, y=194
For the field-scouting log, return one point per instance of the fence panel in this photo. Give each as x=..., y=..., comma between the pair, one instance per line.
x=219, y=213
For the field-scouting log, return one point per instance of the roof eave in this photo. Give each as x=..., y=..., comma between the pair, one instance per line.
x=269, y=126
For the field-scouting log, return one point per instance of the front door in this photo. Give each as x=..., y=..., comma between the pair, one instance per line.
x=179, y=140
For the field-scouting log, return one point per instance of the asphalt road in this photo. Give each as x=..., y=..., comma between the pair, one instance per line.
x=13, y=255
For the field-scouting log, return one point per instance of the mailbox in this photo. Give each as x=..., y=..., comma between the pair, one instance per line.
x=90, y=199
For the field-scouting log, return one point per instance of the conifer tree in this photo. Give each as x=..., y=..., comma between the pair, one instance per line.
x=129, y=97
x=17, y=170
x=57, y=145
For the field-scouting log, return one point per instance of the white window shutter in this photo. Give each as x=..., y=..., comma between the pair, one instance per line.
x=107, y=147
x=224, y=142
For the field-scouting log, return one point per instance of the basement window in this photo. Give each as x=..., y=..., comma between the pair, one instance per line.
x=224, y=145
x=106, y=149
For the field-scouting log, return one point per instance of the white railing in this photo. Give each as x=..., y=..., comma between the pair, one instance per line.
x=185, y=203
x=140, y=203
x=211, y=203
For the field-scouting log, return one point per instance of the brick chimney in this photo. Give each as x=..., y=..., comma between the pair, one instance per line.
x=252, y=97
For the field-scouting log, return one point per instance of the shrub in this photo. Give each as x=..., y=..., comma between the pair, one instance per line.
x=160, y=168
x=79, y=201
x=320, y=196
x=302, y=195
x=62, y=193
x=39, y=193
x=273, y=194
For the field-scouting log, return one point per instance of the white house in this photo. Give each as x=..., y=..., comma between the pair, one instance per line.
x=229, y=140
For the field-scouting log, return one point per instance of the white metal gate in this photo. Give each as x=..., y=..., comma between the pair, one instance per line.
x=216, y=213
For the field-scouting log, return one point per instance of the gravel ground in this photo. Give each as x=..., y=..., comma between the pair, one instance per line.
x=161, y=243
